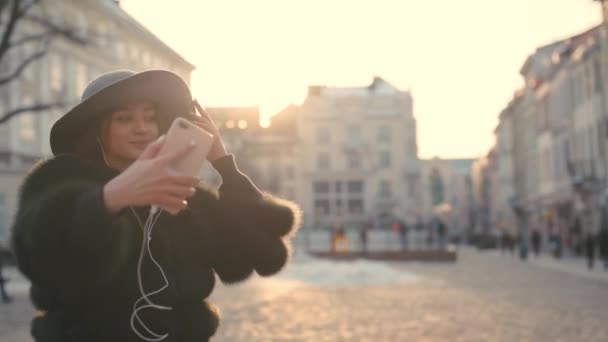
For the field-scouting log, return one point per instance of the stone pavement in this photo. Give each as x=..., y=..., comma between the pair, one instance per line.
x=567, y=264
x=482, y=297
x=14, y=317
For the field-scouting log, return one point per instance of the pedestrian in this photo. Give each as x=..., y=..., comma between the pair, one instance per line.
x=81, y=233
x=431, y=226
x=441, y=232
x=576, y=236
x=536, y=242
x=603, y=239
x=503, y=241
x=363, y=237
x=590, y=226
x=403, y=230
x=510, y=241
x=603, y=244
x=4, y=252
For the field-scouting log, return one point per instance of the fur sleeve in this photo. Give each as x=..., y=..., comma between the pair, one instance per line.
x=63, y=237
x=252, y=229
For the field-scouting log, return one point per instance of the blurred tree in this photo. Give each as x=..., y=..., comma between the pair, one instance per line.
x=18, y=14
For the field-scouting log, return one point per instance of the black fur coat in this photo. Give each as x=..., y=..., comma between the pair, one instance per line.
x=82, y=261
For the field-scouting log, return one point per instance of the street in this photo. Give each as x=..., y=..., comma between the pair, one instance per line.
x=485, y=296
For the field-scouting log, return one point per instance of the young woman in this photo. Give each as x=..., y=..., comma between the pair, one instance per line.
x=78, y=233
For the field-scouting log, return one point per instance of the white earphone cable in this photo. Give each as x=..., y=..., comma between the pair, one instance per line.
x=153, y=215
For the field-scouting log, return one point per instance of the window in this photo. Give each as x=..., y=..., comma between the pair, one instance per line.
x=323, y=161
x=323, y=136
x=81, y=25
x=146, y=59
x=321, y=187
x=121, y=50
x=339, y=208
x=29, y=71
x=56, y=73
x=384, y=134
x=27, y=130
x=355, y=206
x=81, y=79
x=412, y=186
x=385, y=159
x=289, y=172
x=133, y=52
x=355, y=187
x=338, y=186
x=384, y=190
x=354, y=161
x=321, y=207
x=102, y=35
x=353, y=133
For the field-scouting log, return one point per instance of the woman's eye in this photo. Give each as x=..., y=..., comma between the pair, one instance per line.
x=122, y=117
x=151, y=116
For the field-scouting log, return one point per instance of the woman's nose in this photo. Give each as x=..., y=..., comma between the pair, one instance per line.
x=141, y=125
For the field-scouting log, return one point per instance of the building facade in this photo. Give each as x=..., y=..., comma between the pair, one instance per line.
x=109, y=39
x=357, y=156
x=558, y=150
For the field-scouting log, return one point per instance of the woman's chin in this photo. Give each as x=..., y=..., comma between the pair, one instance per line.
x=135, y=152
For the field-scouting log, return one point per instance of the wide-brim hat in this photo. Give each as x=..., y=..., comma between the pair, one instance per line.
x=167, y=90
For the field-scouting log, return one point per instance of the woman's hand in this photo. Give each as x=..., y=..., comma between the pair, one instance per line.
x=151, y=181
x=205, y=122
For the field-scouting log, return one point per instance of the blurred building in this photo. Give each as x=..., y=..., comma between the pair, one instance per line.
x=357, y=156
x=447, y=193
x=504, y=189
x=237, y=125
x=551, y=137
x=266, y=155
x=109, y=39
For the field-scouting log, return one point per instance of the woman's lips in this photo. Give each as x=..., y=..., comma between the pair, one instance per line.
x=140, y=144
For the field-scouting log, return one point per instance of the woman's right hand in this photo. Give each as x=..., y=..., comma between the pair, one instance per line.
x=151, y=181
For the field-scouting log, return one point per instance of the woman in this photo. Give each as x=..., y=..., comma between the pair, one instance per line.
x=78, y=230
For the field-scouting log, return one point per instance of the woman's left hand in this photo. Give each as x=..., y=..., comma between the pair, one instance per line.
x=205, y=122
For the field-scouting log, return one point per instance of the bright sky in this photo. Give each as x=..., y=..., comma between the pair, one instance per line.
x=460, y=59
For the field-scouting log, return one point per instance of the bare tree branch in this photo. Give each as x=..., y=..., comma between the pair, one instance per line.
x=13, y=18
x=56, y=30
x=25, y=8
x=30, y=59
x=16, y=12
x=33, y=108
x=3, y=4
x=31, y=38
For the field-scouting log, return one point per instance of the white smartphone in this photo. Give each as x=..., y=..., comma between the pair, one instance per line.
x=181, y=133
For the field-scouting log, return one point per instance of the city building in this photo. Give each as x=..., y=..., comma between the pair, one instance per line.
x=357, y=156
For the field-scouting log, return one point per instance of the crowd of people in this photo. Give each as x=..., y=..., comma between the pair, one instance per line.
x=435, y=234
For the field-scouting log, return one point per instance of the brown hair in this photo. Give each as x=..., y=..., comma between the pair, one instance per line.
x=89, y=143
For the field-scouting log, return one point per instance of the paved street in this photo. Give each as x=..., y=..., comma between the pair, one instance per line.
x=483, y=297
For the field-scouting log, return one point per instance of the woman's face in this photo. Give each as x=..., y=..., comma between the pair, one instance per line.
x=128, y=132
